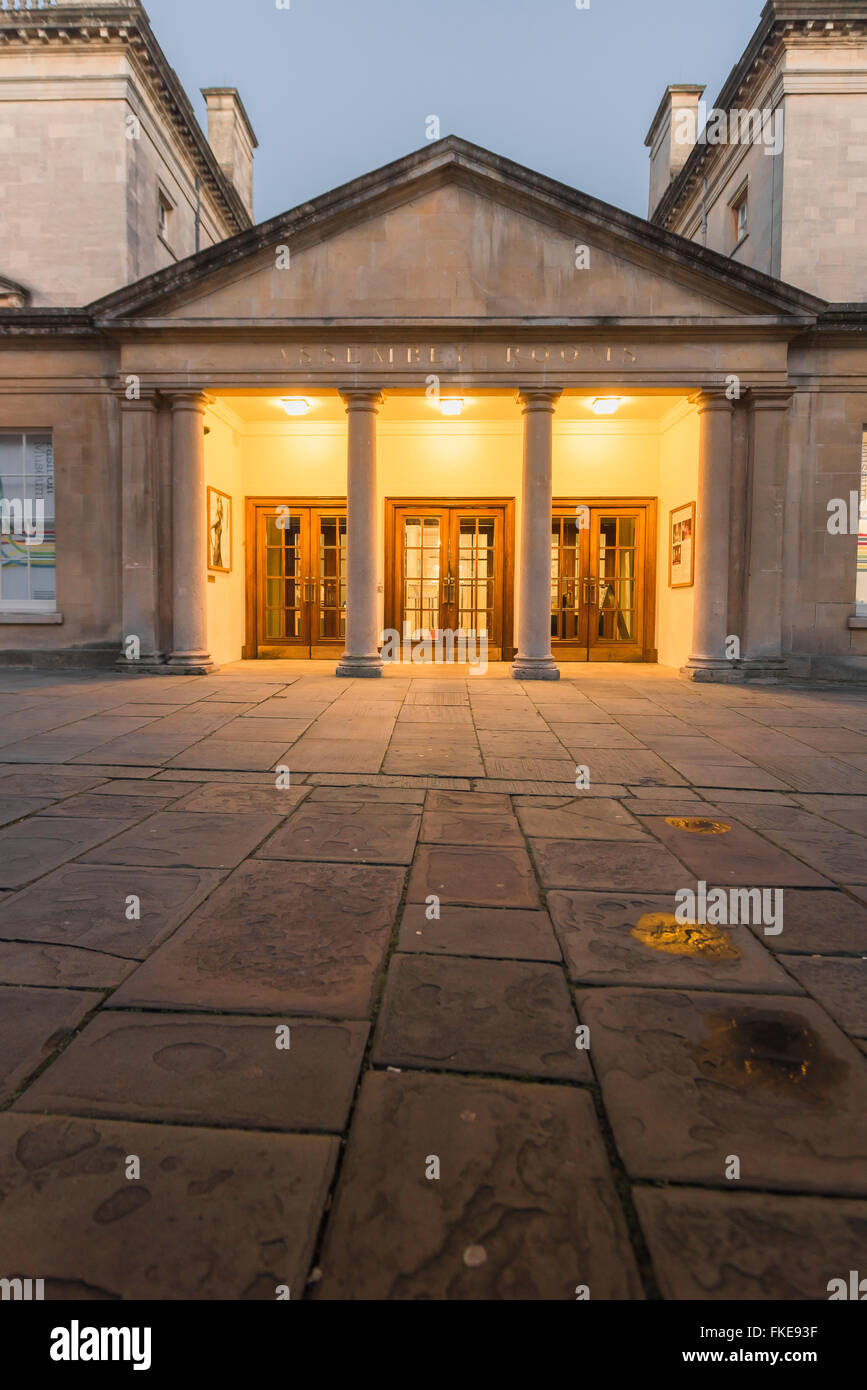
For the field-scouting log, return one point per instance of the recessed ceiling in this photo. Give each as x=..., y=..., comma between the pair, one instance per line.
x=399, y=406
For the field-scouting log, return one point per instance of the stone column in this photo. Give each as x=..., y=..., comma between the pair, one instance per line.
x=762, y=648
x=139, y=555
x=361, y=657
x=190, y=655
x=709, y=660
x=534, y=661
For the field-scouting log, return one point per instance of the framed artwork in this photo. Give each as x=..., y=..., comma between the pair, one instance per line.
x=219, y=531
x=681, y=549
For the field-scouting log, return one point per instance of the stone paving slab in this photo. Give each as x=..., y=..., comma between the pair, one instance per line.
x=131, y=807
x=375, y=796
x=509, y=1018
x=473, y=877
x=335, y=755
x=840, y=986
x=225, y=1072
x=749, y=1246
x=840, y=854
x=726, y=852
x=217, y=1214
x=70, y=967
x=224, y=755
x=634, y=939
x=310, y=940
x=15, y=808
x=349, y=832
x=87, y=907
x=470, y=828
x=524, y=1209
x=689, y=1079
x=596, y=864
x=33, y=1023
x=576, y=818
x=34, y=847
x=237, y=799
x=819, y=923
x=174, y=840
x=499, y=933
x=53, y=785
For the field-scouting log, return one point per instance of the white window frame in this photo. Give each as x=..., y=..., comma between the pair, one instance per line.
x=29, y=605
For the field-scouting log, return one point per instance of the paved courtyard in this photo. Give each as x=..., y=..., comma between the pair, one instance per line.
x=423, y=1023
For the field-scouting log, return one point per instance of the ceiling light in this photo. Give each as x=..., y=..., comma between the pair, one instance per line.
x=295, y=405
x=605, y=405
x=452, y=406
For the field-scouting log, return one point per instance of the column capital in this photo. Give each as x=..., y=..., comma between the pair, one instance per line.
x=538, y=397
x=712, y=398
x=361, y=397
x=188, y=398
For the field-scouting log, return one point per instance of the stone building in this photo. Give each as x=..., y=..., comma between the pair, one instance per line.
x=453, y=399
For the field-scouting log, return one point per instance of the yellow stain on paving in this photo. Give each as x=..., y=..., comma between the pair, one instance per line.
x=698, y=825
x=662, y=932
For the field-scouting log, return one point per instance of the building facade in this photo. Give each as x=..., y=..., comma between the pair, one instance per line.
x=453, y=401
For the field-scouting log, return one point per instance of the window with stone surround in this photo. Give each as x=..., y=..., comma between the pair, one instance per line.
x=28, y=554
x=861, y=583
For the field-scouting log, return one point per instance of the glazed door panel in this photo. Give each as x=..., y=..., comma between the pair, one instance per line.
x=600, y=582
x=449, y=573
x=297, y=580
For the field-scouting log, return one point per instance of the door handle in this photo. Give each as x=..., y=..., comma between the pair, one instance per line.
x=309, y=590
x=449, y=588
x=589, y=591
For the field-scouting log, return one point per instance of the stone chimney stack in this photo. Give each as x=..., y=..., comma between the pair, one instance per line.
x=672, y=135
x=232, y=139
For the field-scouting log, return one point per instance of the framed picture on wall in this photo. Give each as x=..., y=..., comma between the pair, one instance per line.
x=681, y=550
x=219, y=531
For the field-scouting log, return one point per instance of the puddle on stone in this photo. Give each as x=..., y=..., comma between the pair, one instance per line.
x=769, y=1051
x=698, y=825
x=661, y=931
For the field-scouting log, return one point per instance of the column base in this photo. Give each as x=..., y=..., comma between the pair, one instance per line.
x=712, y=669
x=189, y=664
x=363, y=667
x=535, y=668
x=146, y=665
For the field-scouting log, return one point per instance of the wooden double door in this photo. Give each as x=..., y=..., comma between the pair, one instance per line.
x=296, y=578
x=450, y=571
x=603, y=580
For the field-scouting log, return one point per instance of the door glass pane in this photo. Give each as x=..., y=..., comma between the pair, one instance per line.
x=422, y=551
x=565, y=578
x=332, y=577
x=616, y=588
x=282, y=596
x=476, y=575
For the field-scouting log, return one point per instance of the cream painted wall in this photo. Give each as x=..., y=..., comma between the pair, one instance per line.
x=438, y=459
x=678, y=483
x=224, y=470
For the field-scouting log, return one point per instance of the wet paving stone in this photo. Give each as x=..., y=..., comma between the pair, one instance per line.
x=598, y=864
x=512, y=1018
x=350, y=832
x=473, y=877
x=217, y=1214
x=577, y=818
x=524, y=1209
x=88, y=907
x=749, y=1245
x=689, y=1079
x=185, y=1069
x=41, y=965
x=172, y=839
x=33, y=1023
x=722, y=851
x=499, y=933
x=310, y=940
x=635, y=939
x=839, y=985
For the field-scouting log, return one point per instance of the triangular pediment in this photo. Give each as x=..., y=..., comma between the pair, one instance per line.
x=454, y=233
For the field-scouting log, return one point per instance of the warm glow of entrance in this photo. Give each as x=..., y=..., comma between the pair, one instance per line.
x=295, y=405
x=452, y=406
x=606, y=405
